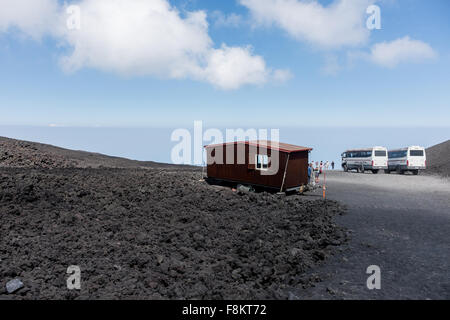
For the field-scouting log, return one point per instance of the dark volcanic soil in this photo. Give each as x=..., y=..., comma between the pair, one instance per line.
x=26, y=154
x=438, y=159
x=155, y=233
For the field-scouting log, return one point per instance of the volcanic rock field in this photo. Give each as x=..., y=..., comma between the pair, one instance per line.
x=142, y=230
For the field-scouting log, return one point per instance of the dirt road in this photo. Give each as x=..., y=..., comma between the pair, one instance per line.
x=399, y=223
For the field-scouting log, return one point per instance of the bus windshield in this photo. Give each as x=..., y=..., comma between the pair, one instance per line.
x=416, y=153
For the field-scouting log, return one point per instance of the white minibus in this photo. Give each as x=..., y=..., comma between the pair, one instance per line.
x=373, y=159
x=410, y=159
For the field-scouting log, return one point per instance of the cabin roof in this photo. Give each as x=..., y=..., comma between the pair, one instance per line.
x=280, y=146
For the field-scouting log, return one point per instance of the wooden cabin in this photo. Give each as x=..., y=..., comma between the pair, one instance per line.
x=255, y=163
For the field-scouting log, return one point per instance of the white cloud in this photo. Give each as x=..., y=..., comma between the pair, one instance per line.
x=282, y=75
x=32, y=18
x=390, y=54
x=342, y=23
x=231, y=20
x=230, y=68
x=139, y=37
x=56, y=125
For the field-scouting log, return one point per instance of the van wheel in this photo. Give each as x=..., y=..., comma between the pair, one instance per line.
x=374, y=171
x=387, y=171
x=345, y=168
x=415, y=172
x=362, y=169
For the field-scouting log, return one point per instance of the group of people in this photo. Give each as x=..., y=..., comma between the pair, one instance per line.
x=315, y=169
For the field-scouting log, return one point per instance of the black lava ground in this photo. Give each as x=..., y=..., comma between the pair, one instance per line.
x=156, y=233
x=438, y=159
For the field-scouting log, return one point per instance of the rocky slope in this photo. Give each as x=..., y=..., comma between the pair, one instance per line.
x=438, y=159
x=25, y=154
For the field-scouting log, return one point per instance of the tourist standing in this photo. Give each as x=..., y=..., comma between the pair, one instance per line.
x=310, y=171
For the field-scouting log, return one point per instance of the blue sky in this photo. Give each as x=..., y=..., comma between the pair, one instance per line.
x=322, y=84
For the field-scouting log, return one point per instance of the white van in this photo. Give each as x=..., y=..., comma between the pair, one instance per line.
x=410, y=159
x=373, y=159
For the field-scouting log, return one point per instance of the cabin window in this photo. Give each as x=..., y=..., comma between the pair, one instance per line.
x=262, y=162
x=380, y=153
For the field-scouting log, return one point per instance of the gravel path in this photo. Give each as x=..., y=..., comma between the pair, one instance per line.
x=401, y=224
